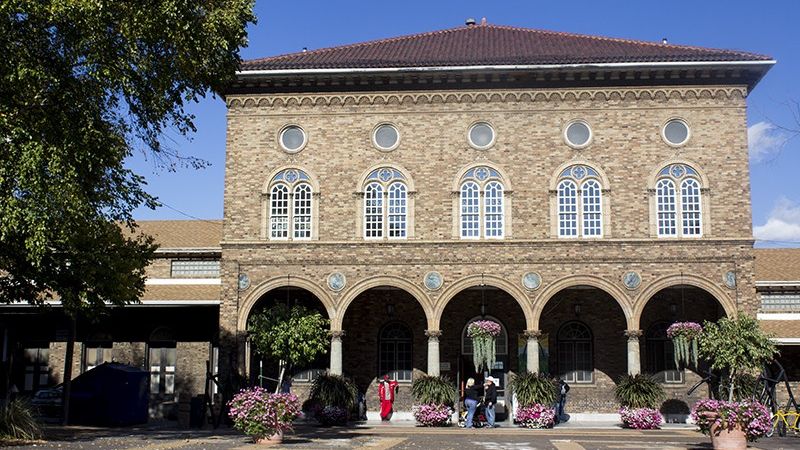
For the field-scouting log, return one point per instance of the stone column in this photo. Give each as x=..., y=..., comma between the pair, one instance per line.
x=336, y=352
x=634, y=359
x=532, y=350
x=433, y=351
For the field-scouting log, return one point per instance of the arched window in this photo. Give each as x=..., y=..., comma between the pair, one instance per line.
x=678, y=215
x=500, y=344
x=482, y=218
x=574, y=344
x=385, y=204
x=290, y=206
x=660, y=354
x=580, y=203
x=395, y=351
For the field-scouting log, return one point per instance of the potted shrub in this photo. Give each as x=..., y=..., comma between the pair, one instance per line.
x=736, y=347
x=535, y=396
x=264, y=416
x=639, y=397
x=334, y=396
x=434, y=397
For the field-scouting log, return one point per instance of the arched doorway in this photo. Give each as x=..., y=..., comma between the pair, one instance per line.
x=384, y=334
x=263, y=371
x=483, y=303
x=678, y=303
x=583, y=343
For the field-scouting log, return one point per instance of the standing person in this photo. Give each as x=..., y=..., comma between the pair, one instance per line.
x=563, y=388
x=490, y=399
x=471, y=395
x=386, y=390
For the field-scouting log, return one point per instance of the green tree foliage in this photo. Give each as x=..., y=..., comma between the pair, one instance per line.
x=736, y=346
x=84, y=83
x=293, y=336
x=639, y=391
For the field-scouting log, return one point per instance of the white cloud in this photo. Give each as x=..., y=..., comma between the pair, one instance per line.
x=783, y=223
x=765, y=140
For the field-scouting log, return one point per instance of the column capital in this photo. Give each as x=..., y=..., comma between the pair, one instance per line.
x=633, y=334
x=533, y=334
x=433, y=333
x=336, y=334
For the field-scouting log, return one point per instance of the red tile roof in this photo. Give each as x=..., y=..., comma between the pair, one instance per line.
x=777, y=264
x=480, y=45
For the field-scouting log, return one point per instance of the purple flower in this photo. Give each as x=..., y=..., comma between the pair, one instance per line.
x=640, y=418
x=258, y=413
x=690, y=330
x=432, y=415
x=535, y=416
x=751, y=416
x=483, y=328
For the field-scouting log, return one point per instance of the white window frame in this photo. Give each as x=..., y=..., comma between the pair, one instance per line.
x=373, y=192
x=597, y=208
x=568, y=209
x=397, y=210
x=679, y=205
x=302, y=207
x=280, y=204
x=291, y=210
x=474, y=208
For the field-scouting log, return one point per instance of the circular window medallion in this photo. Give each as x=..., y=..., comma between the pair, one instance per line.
x=244, y=281
x=577, y=134
x=675, y=132
x=481, y=173
x=385, y=137
x=336, y=281
x=292, y=138
x=291, y=176
x=433, y=280
x=531, y=281
x=578, y=172
x=385, y=175
x=730, y=279
x=677, y=171
x=631, y=280
x=481, y=136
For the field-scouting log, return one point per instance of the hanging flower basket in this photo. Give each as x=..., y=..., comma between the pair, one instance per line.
x=483, y=334
x=684, y=337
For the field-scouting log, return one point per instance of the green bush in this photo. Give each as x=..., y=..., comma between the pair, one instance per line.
x=639, y=391
x=17, y=421
x=534, y=388
x=434, y=390
x=334, y=390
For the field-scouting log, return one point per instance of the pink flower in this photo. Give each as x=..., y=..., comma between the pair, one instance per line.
x=536, y=416
x=484, y=328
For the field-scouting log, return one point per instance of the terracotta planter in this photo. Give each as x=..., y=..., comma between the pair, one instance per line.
x=275, y=439
x=724, y=439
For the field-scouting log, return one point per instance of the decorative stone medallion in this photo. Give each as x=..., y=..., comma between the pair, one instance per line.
x=531, y=281
x=730, y=279
x=291, y=175
x=433, y=280
x=337, y=281
x=244, y=281
x=631, y=280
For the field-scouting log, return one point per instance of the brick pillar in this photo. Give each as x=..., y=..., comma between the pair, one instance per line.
x=336, y=352
x=634, y=360
x=532, y=350
x=433, y=351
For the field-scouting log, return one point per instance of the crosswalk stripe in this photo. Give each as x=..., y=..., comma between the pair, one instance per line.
x=567, y=445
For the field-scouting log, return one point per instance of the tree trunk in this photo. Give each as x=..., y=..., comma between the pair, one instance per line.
x=68, y=369
x=282, y=365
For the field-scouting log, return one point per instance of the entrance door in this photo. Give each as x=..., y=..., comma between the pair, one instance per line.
x=499, y=371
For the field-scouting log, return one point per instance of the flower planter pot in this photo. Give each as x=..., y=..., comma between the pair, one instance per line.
x=275, y=439
x=724, y=439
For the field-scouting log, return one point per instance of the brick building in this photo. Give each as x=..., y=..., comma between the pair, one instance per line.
x=584, y=192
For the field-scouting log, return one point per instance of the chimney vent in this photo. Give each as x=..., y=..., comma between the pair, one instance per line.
x=470, y=22
x=664, y=40
x=483, y=21
x=305, y=49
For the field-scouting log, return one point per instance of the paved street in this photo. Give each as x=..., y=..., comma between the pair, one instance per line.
x=397, y=438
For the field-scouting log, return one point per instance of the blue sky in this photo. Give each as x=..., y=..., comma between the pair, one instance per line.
x=767, y=27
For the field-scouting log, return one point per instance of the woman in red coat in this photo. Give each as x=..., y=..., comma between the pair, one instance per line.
x=386, y=391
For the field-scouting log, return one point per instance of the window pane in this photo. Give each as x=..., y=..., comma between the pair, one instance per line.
x=195, y=268
x=592, y=208
x=493, y=210
x=665, y=203
x=397, y=210
x=302, y=211
x=279, y=212
x=676, y=132
x=373, y=211
x=578, y=134
x=567, y=209
x=690, y=207
x=470, y=210
x=481, y=134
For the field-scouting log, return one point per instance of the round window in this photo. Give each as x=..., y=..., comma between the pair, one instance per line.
x=386, y=137
x=578, y=134
x=481, y=135
x=292, y=138
x=676, y=132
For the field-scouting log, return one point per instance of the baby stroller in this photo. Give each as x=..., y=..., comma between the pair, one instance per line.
x=478, y=419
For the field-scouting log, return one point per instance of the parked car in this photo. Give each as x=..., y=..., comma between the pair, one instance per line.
x=48, y=402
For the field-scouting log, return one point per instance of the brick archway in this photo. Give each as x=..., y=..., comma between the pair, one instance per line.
x=728, y=304
x=372, y=282
x=267, y=286
x=481, y=280
x=617, y=293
